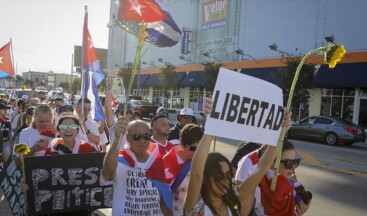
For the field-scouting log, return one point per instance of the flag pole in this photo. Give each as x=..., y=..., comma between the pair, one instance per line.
x=82, y=65
x=111, y=26
x=12, y=62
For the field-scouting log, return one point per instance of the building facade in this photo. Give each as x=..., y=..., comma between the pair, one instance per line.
x=50, y=80
x=236, y=32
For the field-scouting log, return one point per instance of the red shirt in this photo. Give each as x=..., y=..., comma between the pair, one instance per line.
x=80, y=147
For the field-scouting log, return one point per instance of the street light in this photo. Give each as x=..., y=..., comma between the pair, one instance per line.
x=146, y=63
x=330, y=39
x=183, y=57
x=275, y=48
x=206, y=54
x=161, y=61
x=240, y=52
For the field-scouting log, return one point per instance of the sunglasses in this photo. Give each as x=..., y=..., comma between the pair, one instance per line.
x=68, y=127
x=220, y=176
x=288, y=164
x=87, y=109
x=138, y=136
x=191, y=148
x=187, y=117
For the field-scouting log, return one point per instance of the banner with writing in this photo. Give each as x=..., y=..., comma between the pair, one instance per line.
x=245, y=108
x=66, y=183
x=10, y=181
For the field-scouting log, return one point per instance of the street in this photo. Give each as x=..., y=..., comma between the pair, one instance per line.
x=336, y=175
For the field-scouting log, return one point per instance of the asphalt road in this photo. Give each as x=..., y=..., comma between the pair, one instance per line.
x=336, y=175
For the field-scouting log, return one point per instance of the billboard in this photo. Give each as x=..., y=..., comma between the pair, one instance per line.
x=214, y=13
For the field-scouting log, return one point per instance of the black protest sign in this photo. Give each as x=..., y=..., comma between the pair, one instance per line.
x=66, y=183
x=11, y=177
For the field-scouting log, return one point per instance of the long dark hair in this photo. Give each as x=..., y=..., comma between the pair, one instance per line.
x=211, y=170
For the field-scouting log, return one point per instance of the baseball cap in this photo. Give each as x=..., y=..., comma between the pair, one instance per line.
x=25, y=97
x=186, y=112
x=3, y=106
x=66, y=107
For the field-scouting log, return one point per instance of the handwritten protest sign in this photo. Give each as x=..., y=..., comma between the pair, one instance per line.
x=10, y=181
x=66, y=183
x=245, y=108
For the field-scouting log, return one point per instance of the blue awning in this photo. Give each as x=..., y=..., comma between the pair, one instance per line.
x=266, y=74
x=349, y=75
x=142, y=79
x=193, y=79
x=156, y=80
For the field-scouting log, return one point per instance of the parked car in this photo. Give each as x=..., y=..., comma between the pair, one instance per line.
x=53, y=94
x=330, y=130
x=147, y=109
x=122, y=98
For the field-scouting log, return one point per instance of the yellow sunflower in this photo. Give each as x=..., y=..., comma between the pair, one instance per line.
x=334, y=53
x=22, y=149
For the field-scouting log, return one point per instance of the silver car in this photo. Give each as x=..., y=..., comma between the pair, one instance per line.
x=326, y=129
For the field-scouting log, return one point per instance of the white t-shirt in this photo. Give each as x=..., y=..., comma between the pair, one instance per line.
x=92, y=126
x=30, y=136
x=15, y=121
x=133, y=193
x=56, y=116
x=244, y=167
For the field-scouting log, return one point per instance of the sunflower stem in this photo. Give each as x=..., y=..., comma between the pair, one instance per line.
x=23, y=181
x=289, y=103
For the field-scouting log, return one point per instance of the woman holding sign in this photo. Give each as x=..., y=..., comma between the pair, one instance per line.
x=68, y=128
x=216, y=195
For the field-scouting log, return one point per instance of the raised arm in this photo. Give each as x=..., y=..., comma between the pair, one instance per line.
x=111, y=159
x=197, y=166
x=107, y=104
x=247, y=188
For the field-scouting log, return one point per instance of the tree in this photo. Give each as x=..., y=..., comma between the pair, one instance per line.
x=211, y=70
x=284, y=78
x=65, y=86
x=168, y=76
x=125, y=74
x=75, y=85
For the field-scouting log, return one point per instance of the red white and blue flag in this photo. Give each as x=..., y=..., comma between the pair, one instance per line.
x=155, y=171
x=92, y=73
x=6, y=65
x=160, y=26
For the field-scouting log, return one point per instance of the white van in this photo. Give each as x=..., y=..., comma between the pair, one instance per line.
x=53, y=94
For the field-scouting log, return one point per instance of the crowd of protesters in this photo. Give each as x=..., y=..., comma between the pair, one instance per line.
x=180, y=176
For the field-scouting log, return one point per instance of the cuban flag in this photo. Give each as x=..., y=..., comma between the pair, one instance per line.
x=160, y=26
x=92, y=73
x=6, y=66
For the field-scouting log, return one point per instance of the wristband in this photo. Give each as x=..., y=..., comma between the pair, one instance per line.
x=88, y=132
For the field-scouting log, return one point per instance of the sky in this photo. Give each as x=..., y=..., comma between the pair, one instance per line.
x=44, y=32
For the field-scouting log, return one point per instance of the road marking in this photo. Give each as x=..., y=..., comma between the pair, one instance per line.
x=311, y=160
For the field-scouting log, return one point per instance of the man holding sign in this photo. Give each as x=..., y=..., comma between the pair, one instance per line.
x=137, y=172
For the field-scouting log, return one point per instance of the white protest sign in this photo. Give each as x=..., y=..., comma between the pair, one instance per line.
x=245, y=108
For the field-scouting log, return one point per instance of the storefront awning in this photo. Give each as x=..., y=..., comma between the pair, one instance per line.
x=142, y=79
x=193, y=79
x=155, y=80
x=348, y=75
x=266, y=74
